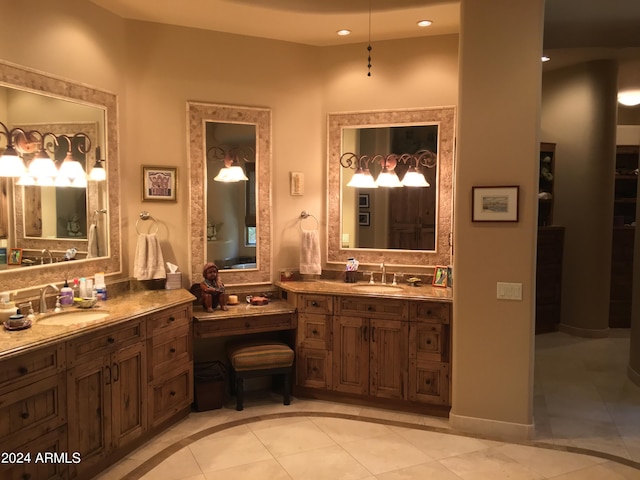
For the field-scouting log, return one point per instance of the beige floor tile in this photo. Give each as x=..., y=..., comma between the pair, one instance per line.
x=489, y=465
x=264, y=469
x=601, y=472
x=119, y=470
x=549, y=463
x=293, y=438
x=343, y=431
x=442, y=445
x=425, y=471
x=384, y=454
x=328, y=463
x=180, y=466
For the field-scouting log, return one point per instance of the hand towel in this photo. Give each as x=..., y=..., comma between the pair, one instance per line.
x=92, y=247
x=148, y=262
x=310, y=261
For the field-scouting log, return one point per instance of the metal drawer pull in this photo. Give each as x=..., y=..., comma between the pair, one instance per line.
x=172, y=350
x=247, y=324
x=26, y=476
x=364, y=333
x=172, y=393
x=23, y=370
x=429, y=342
x=428, y=382
x=111, y=340
x=172, y=318
x=24, y=415
x=314, y=304
x=108, y=368
x=370, y=308
x=116, y=368
x=315, y=332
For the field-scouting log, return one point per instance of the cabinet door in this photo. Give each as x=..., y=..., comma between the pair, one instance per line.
x=429, y=341
x=38, y=468
x=313, y=368
x=429, y=382
x=89, y=399
x=389, y=358
x=129, y=416
x=351, y=355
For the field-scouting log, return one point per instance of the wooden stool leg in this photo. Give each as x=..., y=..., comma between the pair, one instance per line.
x=287, y=389
x=239, y=392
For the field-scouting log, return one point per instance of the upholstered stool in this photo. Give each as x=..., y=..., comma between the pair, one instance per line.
x=257, y=358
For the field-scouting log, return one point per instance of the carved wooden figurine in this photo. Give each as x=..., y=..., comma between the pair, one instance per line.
x=212, y=289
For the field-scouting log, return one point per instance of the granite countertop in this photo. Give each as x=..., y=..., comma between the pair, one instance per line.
x=364, y=289
x=121, y=309
x=274, y=307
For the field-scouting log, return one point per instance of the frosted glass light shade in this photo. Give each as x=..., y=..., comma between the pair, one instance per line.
x=231, y=174
x=71, y=169
x=413, y=178
x=388, y=178
x=362, y=179
x=11, y=165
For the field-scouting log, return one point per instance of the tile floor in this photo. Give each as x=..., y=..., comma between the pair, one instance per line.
x=587, y=417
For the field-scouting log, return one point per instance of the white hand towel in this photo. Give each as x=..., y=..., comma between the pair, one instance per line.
x=92, y=248
x=148, y=262
x=310, y=261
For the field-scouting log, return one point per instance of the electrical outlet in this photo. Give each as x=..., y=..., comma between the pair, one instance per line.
x=509, y=291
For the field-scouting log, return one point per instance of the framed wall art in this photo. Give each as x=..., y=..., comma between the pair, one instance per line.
x=159, y=183
x=440, y=276
x=15, y=256
x=364, y=219
x=494, y=204
x=363, y=200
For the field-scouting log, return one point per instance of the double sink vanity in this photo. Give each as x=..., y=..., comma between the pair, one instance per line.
x=97, y=387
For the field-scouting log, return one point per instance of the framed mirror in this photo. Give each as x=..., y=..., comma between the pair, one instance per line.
x=230, y=220
x=34, y=100
x=406, y=226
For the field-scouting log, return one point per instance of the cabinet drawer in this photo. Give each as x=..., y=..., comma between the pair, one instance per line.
x=168, y=350
x=240, y=325
x=436, y=312
x=321, y=304
x=170, y=396
x=32, y=411
x=172, y=317
x=429, y=382
x=373, y=308
x=92, y=345
x=31, y=367
x=313, y=368
x=314, y=331
x=429, y=341
x=40, y=467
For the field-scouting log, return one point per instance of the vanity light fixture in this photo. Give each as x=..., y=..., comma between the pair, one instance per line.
x=11, y=165
x=98, y=173
x=71, y=172
x=388, y=177
x=231, y=155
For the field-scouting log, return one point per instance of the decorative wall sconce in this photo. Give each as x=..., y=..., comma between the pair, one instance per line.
x=98, y=173
x=42, y=169
x=231, y=155
x=388, y=177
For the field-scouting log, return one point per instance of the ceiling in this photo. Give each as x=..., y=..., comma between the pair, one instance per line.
x=575, y=30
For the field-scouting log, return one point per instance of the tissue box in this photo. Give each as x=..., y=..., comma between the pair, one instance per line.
x=174, y=281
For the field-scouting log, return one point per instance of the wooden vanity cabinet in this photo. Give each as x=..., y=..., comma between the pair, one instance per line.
x=314, y=340
x=106, y=392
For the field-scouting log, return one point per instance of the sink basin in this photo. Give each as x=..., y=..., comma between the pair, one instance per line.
x=72, y=317
x=381, y=288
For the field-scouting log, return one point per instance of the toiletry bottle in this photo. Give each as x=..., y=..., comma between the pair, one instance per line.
x=83, y=288
x=7, y=308
x=66, y=295
x=100, y=287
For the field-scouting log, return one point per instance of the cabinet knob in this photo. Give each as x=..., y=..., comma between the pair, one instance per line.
x=172, y=318
x=26, y=476
x=247, y=324
x=428, y=382
x=24, y=415
x=428, y=342
x=23, y=370
x=428, y=312
x=315, y=332
x=172, y=393
x=370, y=308
x=111, y=340
x=314, y=304
x=172, y=350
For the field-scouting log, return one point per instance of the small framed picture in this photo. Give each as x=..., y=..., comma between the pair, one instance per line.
x=440, y=276
x=296, y=183
x=364, y=219
x=494, y=204
x=363, y=200
x=159, y=183
x=15, y=256
x=450, y=276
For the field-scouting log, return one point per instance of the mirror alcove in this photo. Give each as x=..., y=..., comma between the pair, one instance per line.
x=436, y=250
x=43, y=89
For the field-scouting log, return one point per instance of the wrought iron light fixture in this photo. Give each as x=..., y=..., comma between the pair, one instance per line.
x=388, y=177
x=231, y=155
x=98, y=173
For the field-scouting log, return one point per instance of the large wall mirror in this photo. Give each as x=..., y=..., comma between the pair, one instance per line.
x=404, y=226
x=46, y=221
x=230, y=220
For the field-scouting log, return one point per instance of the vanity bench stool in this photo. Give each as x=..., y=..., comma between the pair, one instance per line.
x=257, y=358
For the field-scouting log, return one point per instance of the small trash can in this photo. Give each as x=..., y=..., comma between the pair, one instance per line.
x=209, y=384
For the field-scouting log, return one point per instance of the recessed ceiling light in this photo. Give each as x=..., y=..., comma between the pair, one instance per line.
x=545, y=58
x=424, y=23
x=344, y=32
x=629, y=98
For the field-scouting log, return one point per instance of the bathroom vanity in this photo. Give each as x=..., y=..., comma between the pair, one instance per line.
x=373, y=344
x=93, y=391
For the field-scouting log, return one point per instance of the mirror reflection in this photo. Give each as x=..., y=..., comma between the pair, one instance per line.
x=402, y=217
x=230, y=221
x=408, y=226
x=231, y=201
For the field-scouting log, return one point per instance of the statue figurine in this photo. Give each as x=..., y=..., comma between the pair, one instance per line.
x=212, y=289
x=73, y=226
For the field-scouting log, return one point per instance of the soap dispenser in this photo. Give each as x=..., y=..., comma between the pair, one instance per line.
x=66, y=295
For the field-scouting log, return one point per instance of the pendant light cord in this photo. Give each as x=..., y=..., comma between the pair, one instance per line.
x=369, y=46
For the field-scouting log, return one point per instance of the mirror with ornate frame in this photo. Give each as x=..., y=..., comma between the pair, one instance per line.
x=249, y=261
x=103, y=198
x=341, y=127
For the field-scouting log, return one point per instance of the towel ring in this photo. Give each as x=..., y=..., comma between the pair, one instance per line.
x=304, y=215
x=146, y=216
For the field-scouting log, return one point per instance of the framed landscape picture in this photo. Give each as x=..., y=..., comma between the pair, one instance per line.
x=494, y=204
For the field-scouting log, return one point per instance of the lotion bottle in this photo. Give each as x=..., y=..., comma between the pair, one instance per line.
x=66, y=295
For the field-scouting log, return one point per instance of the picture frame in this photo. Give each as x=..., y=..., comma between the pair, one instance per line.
x=15, y=256
x=364, y=219
x=495, y=204
x=159, y=183
x=440, y=276
x=363, y=200
x=450, y=276
x=296, y=183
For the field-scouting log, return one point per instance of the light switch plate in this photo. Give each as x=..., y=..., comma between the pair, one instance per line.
x=509, y=291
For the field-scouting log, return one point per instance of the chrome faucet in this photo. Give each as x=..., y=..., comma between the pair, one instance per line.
x=384, y=273
x=46, y=250
x=43, y=301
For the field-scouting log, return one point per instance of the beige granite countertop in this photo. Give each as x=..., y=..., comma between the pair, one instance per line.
x=274, y=307
x=364, y=289
x=121, y=308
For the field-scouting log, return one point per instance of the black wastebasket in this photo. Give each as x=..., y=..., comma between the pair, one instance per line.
x=209, y=384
